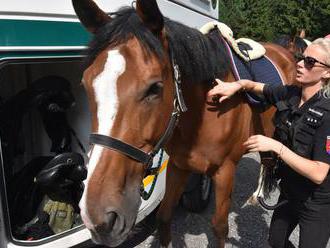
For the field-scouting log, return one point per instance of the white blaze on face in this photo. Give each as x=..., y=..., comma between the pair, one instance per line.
x=105, y=91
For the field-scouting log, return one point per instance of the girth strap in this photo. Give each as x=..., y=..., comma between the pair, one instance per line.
x=122, y=147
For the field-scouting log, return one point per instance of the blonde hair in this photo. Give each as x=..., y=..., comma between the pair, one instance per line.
x=324, y=44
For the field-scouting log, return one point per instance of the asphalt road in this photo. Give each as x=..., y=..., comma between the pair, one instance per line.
x=248, y=224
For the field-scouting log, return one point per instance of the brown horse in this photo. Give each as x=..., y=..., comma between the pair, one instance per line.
x=137, y=100
x=294, y=43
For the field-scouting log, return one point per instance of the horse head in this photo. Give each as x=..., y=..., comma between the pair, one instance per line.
x=129, y=83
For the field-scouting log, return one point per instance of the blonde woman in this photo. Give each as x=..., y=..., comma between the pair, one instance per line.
x=302, y=142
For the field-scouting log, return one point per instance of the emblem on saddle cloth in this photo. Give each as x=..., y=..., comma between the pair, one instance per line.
x=327, y=146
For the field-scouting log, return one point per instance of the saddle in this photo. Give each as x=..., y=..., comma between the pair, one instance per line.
x=61, y=178
x=254, y=50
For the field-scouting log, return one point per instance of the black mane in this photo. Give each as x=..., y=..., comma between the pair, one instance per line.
x=200, y=58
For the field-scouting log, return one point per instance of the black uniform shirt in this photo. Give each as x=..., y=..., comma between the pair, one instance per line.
x=297, y=185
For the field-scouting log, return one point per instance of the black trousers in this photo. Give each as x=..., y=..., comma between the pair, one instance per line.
x=313, y=218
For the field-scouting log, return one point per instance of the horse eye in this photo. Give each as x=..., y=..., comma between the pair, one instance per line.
x=154, y=91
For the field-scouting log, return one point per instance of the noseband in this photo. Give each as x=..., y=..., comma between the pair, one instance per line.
x=137, y=154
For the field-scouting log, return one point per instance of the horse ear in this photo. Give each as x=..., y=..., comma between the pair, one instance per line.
x=302, y=34
x=90, y=15
x=150, y=14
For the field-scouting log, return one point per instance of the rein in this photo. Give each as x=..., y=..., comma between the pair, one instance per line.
x=263, y=203
x=137, y=154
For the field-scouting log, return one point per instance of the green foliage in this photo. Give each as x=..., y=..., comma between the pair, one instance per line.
x=266, y=19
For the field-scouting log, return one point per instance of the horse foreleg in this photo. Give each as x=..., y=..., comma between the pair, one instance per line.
x=176, y=179
x=223, y=180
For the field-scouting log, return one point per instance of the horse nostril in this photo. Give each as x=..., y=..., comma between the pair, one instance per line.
x=111, y=220
x=107, y=226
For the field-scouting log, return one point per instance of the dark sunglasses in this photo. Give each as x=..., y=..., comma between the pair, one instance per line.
x=309, y=62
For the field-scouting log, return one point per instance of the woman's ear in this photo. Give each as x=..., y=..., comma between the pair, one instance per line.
x=326, y=75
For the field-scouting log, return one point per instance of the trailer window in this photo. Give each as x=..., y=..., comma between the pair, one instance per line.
x=43, y=114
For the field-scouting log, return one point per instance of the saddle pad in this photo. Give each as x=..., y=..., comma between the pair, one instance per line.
x=260, y=70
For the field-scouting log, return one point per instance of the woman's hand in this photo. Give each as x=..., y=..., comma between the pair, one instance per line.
x=225, y=89
x=260, y=143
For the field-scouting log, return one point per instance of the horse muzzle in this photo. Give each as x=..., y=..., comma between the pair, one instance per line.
x=115, y=224
x=113, y=231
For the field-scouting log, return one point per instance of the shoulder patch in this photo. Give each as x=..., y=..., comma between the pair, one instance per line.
x=327, y=146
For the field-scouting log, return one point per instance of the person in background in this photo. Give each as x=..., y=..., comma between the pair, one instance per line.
x=302, y=144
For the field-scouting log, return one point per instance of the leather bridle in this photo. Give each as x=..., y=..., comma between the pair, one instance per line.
x=137, y=154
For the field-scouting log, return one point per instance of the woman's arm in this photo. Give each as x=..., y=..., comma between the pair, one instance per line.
x=316, y=171
x=227, y=89
x=248, y=85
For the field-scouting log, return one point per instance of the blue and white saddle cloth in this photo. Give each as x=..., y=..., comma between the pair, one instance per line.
x=260, y=70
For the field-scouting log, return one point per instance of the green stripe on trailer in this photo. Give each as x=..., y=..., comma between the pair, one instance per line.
x=42, y=33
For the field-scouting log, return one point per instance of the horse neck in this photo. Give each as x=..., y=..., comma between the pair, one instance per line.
x=194, y=97
x=203, y=137
x=195, y=92
x=202, y=126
